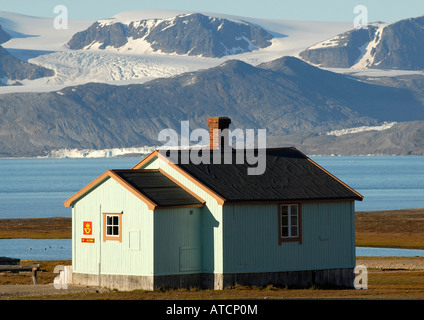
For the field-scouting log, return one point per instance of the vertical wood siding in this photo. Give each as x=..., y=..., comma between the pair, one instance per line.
x=211, y=214
x=132, y=256
x=177, y=241
x=251, y=238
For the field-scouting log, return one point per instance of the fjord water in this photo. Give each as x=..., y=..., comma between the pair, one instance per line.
x=61, y=249
x=36, y=188
x=386, y=182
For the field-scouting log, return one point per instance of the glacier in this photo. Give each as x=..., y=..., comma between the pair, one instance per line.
x=93, y=153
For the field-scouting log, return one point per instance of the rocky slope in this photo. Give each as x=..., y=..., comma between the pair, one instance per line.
x=12, y=69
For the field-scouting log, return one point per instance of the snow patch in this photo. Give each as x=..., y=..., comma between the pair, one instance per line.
x=368, y=51
x=330, y=43
x=106, y=22
x=384, y=126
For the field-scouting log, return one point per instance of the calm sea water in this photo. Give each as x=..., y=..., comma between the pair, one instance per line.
x=389, y=182
x=38, y=188
x=36, y=249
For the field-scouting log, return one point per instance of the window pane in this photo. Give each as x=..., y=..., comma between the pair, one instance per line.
x=115, y=220
x=285, y=218
x=284, y=221
x=293, y=220
x=109, y=231
x=293, y=210
x=294, y=231
x=109, y=220
x=284, y=231
x=116, y=231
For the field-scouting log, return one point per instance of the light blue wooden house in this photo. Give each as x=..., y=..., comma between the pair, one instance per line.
x=167, y=224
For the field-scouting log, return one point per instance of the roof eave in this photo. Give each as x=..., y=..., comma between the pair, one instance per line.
x=92, y=185
x=95, y=183
x=282, y=201
x=220, y=200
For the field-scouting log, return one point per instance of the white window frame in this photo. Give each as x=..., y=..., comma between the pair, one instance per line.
x=112, y=226
x=290, y=224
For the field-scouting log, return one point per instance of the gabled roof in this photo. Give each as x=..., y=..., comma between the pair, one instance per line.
x=289, y=176
x=154, y=187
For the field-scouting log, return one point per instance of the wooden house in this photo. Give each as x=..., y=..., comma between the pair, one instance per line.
x=167, y=224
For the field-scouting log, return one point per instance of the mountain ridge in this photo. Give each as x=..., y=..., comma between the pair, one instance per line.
x=190, y=34
x=397, y=45
x=290, y=105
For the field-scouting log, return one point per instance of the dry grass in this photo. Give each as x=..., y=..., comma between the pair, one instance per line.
x=394, y=229
x=36, y=228
x=405, y=285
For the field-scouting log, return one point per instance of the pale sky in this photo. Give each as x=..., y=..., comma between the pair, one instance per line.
x=319, y=10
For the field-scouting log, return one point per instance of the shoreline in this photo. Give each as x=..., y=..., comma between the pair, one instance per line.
x=142, y=154
x=401, y=228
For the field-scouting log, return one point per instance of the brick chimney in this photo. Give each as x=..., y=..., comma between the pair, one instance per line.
x=218, y=123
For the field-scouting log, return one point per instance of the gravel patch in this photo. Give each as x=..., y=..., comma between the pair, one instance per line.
x=25, y=290
x=415, y=263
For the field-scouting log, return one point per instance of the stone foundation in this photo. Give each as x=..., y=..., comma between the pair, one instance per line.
x=119, y=282
x=328, y=278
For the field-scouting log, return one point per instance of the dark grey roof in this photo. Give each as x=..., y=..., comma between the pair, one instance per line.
x=289, y=176
x=157, y=187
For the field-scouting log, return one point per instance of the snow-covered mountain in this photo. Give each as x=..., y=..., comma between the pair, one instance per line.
x=188, y=34
x=398, y=45
x=35, y=40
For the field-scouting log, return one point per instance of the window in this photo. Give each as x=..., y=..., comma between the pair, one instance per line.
x=290, y=223
x=112, y=226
